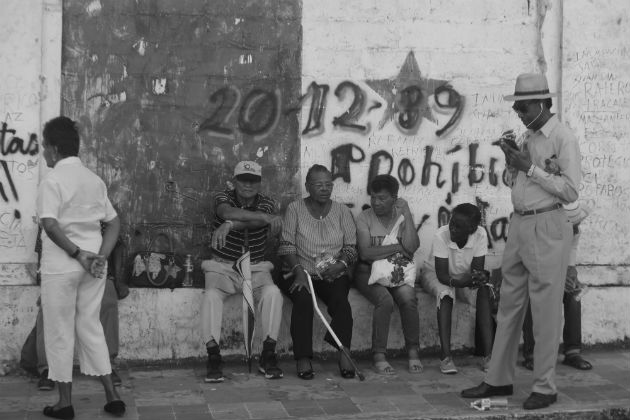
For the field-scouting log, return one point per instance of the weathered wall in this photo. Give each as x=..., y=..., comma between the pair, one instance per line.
x=23, y=90
x=143, y=78
x=170, y=95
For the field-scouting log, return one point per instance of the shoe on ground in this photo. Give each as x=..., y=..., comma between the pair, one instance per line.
x=576, y=361
x=485, y=390
x=537, y=400
x=214, y=373
x=115, y=378
x=65, y=413
x=485, y=363
x=268, y=365
x=45, y=384
x=447, y=366
x=528, y=364
x=116, y=408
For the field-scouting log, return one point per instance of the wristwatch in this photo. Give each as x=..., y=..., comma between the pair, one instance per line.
x=530, y=171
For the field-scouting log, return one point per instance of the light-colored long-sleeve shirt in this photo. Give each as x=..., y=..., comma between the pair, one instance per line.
x=553, y=141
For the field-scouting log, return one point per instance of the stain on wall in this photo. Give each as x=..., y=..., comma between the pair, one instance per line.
x=170, y=95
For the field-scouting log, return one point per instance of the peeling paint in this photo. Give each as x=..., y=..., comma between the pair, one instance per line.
x=140, y=46
x=245, y=59
x=158, y=86
x=94, y=8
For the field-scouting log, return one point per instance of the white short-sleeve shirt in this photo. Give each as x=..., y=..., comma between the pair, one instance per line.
x=77, y=198
x=459, y=259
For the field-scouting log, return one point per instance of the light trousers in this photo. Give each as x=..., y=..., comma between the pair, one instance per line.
x=222, y=281
x=109, y=320
x=534, y=268
x=71, y=304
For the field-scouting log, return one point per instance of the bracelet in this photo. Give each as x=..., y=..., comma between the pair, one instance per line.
x=530, y=171
x=343, y=262
x=75, y=253
x=229, y=222
x=295, y=266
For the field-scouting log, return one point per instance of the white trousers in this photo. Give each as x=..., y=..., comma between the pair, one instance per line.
x=71, y=303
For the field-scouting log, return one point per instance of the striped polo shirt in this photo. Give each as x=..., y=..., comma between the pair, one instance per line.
x=235, y=240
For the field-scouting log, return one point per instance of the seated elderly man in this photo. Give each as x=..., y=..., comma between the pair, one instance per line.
x=243, y=217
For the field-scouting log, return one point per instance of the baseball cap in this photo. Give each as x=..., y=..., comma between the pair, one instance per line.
x=248, y=167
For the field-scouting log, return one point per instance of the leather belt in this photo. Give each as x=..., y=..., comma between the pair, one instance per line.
x=538, y=211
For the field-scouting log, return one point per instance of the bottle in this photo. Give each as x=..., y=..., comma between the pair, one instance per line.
x=188, y=267
x=486, y=404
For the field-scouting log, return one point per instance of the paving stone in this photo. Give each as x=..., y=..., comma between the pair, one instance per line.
x=338, y=406
x=159, y=393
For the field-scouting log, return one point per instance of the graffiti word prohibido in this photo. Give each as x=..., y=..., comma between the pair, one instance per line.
x=382, y=162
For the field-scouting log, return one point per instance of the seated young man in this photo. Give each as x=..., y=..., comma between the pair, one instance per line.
x=456, y=267
x=242, y=216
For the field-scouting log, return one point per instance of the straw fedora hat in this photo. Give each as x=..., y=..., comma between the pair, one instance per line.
x=530, y=86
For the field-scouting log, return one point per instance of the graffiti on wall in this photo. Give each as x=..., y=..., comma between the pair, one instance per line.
x=440, y=146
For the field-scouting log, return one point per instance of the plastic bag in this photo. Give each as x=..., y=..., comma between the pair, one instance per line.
x=396, y=269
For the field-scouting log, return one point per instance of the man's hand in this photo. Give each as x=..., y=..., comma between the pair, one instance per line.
x=99, y=267
x=299, y=282
x=517, y=159
x=86, y=259
x=219, y=235
x=275, y=224
x=479, y=278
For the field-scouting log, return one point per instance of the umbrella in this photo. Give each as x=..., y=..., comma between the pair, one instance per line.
x=243, y=267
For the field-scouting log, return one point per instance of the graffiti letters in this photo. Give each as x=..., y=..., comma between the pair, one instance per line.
x=16, y=144
x=258, y=114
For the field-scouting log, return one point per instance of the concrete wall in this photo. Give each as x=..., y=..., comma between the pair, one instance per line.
x=370, y=102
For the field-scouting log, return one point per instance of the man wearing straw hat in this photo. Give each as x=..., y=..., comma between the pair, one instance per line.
x=243, y=218
x=536, y=254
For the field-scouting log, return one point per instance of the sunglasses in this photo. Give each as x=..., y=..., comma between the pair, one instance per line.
x=522, y=107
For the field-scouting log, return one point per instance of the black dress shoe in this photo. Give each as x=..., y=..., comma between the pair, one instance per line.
x=537, y=400
x=485, y=390
x=65, y=413
x=576, y=361
x=528, y=364
x=115, y=407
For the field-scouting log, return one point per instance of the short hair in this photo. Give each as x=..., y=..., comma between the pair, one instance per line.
x=470, y=211
x=62, y=133
x=317, y=168
x=548, y=103
x=385, y=182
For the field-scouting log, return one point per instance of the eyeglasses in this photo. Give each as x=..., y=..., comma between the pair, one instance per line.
x=320, y=185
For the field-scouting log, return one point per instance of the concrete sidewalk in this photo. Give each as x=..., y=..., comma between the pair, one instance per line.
x=180, y=393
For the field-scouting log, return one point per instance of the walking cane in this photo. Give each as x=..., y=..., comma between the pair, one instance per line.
x=330, y=330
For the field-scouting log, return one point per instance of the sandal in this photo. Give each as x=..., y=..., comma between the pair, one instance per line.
x=576, y=361
x=415, y=366
x=116, y=407
x=307, y=374
x=383, y=368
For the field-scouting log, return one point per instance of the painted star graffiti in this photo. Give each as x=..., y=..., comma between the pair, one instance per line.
x=408, y=97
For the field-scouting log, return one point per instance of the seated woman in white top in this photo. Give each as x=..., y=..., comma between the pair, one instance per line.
x=456, y=267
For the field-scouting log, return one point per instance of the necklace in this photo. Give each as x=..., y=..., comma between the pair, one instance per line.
x=317, y=211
